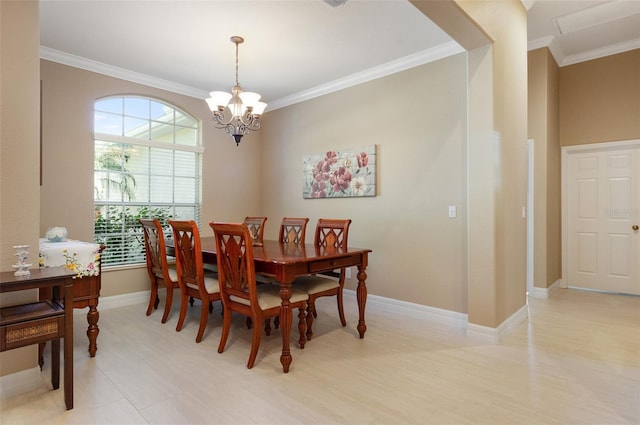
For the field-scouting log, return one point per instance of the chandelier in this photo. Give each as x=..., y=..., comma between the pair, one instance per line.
x=237, y=112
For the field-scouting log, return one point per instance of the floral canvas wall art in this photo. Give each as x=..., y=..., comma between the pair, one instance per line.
x=340, y=174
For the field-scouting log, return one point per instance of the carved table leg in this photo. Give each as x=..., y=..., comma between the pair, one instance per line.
x=285, y=328
x=361, y=294
x=92, y=331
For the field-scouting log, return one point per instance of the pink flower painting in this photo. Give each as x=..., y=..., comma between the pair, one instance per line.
x=340, y=174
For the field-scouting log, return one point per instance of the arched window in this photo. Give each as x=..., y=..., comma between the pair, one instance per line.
x=147, y=159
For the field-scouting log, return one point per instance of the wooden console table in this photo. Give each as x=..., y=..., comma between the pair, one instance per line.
x=84, y=259
x=45, y=320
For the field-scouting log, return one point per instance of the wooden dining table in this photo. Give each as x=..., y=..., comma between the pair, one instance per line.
x=286, y=261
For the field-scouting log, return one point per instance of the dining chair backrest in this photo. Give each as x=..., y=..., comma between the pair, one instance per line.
x=293, y=230
x=186, y=238
x=155, y=249
x=332, y=233
x=236, y=269
x=157, y=265
x=256, y=228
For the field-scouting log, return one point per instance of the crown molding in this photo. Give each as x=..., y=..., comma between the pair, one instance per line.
x=540, y=43
x=411, y=61
x=602, y=52
x=551, y=42
x=116, y=72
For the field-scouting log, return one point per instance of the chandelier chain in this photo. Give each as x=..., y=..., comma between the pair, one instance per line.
x=237, y=84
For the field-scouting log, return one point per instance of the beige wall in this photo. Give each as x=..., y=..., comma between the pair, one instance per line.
x=600, y=100
x=420, y=255
x=19, y=152
x=230, y=174
x=496, y=251
x=495, y=33
x=543, y=129
x=417, y=120
x=506, y=24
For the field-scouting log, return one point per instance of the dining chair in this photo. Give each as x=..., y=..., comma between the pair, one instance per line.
x=330, y=234
x=160, y=272
x=256, y=228
x=293, y=230
x=191, y=275
x=238, y=288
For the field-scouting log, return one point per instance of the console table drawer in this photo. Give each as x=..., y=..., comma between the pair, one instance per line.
x=28, y=324
x=330, y=264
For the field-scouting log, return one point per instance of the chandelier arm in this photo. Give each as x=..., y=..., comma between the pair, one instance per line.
x=219, y=119
x=237, y=125
x=244, y=128
x=247, y=119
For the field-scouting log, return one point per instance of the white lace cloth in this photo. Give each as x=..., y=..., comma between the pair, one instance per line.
x=80, y=257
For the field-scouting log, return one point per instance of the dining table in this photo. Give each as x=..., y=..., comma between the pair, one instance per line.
x=285, y=261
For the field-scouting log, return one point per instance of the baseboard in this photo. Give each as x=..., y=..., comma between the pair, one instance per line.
x=409, y=309
x=545, y=292
x=441, y=315
x=448, y=317
x=495, y=335
x=556, y=285
x=115, y=301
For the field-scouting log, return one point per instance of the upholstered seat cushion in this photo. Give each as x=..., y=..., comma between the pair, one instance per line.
x=312, y=284
x=269, y=296
x=210, y=284
x=173, y=273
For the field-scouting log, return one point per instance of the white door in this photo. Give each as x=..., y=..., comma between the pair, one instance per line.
x=602, y=218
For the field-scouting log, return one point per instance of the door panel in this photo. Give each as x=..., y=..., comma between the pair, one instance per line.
x=603, y=205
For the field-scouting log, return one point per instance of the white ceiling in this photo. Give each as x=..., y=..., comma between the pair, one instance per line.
x=293, y=50
x=600, y=28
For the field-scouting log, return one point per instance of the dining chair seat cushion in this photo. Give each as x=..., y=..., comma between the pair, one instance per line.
x=173, y=273
x=312, y=284
x=211, y=285
x=269, y=296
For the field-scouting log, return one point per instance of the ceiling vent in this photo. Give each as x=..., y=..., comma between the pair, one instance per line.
x=335, y=3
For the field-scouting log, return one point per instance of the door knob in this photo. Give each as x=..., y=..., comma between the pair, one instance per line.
x=635, y=227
